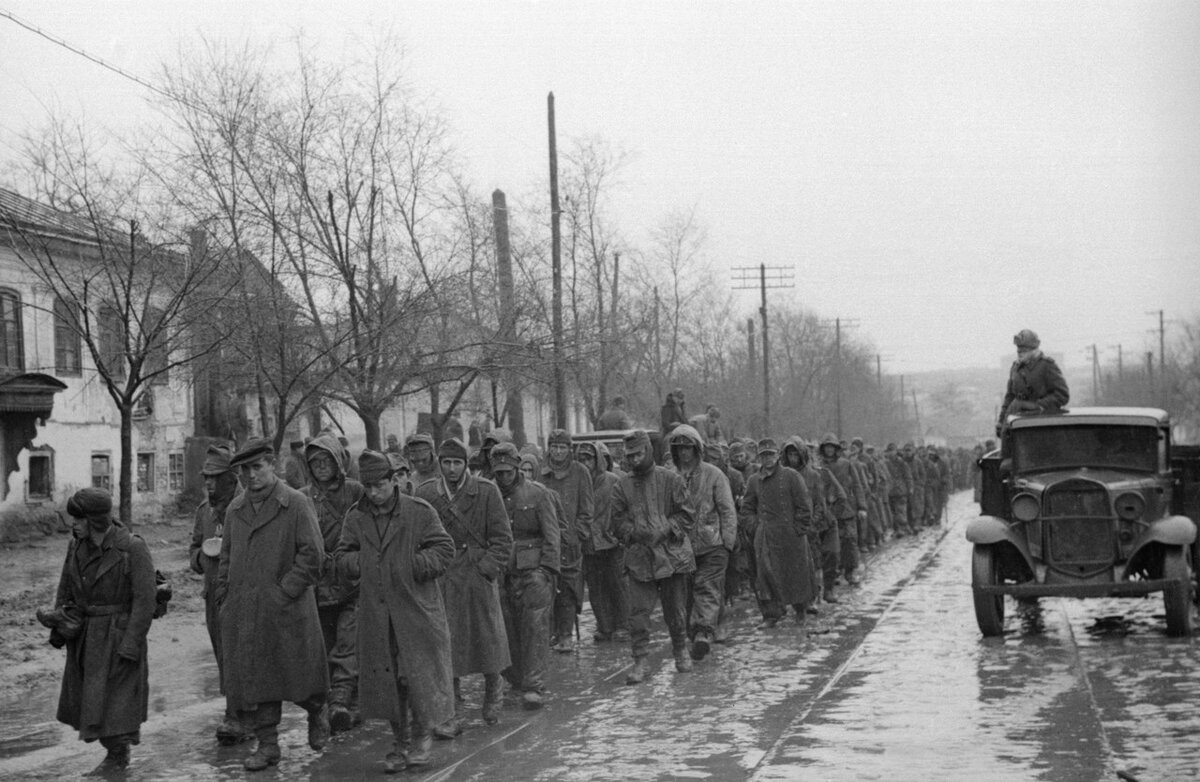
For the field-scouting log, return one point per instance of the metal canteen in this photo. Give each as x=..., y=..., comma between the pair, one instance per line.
x=211, y=547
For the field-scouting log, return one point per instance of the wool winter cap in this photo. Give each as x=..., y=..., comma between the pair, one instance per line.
x=420, y=438
x=638, y=438
x=857, y=441
x=588, y=448
x=89, y=502
x=890, y=447
x=397, y=462
x=373, y=467
x=496, y=436
x=558, y=437
x=768, y=445
x=1026, y=338
x=216, y=460
x=252, y=450
x=505, y=454
x=713, y=452
x=453, y=448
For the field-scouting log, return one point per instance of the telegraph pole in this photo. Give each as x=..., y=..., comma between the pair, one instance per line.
x=560, y=386
x=781, y=277
x=837, y=369
x=1095, y=375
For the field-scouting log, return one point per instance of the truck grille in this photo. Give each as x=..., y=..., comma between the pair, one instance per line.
x=1078, y=523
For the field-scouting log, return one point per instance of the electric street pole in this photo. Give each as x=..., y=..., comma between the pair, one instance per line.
x=781, y=277
x=560, y=386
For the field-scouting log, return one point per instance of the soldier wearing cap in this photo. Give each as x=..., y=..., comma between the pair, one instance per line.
x=420, y=449
x=472, y=512
x=653, y=515
x=220, y=486
x=272, y=646
x=778, y=509
x=573, y=484
x=899, y=491
x=103, y=609
x=395, y=547
x=529, y=583
x=1035, y=383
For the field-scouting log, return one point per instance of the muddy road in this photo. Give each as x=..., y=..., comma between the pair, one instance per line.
x=895, y=682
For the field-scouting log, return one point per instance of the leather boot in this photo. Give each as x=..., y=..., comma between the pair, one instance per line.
x=340, y=718
x=231, y=731
x=683, y=662
x=492, y=693
x=531, y=699
x=115, y=762
x=267, y=752
x=396, y=760
x=637, y=674
x=449, y=729
x=700, y=645
x=422, y=747
x=318, y=728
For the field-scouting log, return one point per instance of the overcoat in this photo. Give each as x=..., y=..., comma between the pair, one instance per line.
x=331, y=502
x=778, y=507
x=271, y=637
x=475, y=518
x=113, y=585
x=1038, y=382
x=396, y=554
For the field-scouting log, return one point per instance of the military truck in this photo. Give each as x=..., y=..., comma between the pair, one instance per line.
x=1090, y=502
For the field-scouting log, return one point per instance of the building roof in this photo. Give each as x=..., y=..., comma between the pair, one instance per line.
x=20, y=213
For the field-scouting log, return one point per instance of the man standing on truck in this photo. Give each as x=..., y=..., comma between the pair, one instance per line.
x=1035, y=383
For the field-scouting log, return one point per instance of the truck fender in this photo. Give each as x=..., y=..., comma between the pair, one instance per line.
x=1172, y=531
x=988, y=529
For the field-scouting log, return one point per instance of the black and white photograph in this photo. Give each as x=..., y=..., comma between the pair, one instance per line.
x=539, y=391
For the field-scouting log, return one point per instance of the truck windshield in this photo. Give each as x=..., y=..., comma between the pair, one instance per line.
x=1055, y=447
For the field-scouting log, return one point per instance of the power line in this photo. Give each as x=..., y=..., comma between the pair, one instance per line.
x=75, y=49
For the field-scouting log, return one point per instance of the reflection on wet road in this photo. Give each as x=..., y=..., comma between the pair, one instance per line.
x=894, y=683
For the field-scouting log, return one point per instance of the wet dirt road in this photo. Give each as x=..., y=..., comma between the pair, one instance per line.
x=893, y=683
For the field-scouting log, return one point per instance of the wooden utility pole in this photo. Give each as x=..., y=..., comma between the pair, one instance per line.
x=751, y=350
x=917, y=413
x=1095, y=375
x=781, y=277
x=514, y=408
x=560, y=388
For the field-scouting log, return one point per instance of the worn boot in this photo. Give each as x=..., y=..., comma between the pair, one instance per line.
x=531, y=699
x=637, y=674
x=493, y=690
x=422, y=747
x=231, y=731
x=267, y=752
x=397, y=760
x=700, y=645
x=683, y=662
x=116, y=761
x=318, y=728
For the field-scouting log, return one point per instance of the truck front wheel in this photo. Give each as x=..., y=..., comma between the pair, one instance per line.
x=1177, y=597
x=989, y=609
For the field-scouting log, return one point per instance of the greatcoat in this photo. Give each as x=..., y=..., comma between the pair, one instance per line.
x=396, y=554
x=113, y=585
x=271, y=638
x=778, y=508
x=475, y=518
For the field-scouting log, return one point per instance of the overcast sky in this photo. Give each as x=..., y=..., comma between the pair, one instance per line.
x=943, y=174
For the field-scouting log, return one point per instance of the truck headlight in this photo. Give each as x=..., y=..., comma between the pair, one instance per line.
x=1025, y=507
x=1130, y=506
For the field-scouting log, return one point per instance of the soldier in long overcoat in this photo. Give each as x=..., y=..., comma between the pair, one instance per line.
x=572, y=482
x=396, y=548
x=271, y=555
x=103, y=609
x=778, y=508
x=472, y=512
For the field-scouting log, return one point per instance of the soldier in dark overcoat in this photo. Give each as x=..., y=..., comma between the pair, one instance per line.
x=273, y=650
x=778, y=509
x=103, y=609
x=472, y=512
x=396, y=548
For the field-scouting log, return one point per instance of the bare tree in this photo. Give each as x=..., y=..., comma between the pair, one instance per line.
x=119, y=265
